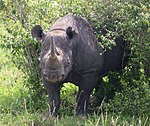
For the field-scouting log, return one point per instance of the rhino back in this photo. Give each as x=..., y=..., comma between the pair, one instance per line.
x=88, y=56
x=65, y=22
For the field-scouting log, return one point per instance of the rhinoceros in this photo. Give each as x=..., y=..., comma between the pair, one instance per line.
x=70, y=53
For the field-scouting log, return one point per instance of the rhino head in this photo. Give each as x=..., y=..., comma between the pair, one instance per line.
x=56, y=52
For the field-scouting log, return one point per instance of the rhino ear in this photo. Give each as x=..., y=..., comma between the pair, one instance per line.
x=37, y=32
x=71, y=33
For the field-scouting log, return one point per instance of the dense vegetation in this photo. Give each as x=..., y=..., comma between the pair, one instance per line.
x=21, y=88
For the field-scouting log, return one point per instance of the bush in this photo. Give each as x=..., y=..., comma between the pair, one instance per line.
x=129, y=19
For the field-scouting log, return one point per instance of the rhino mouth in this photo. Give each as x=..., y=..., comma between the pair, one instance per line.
x=53, y=78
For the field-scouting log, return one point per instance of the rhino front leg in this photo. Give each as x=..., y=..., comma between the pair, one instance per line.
x=53, y=91
x=87, y=84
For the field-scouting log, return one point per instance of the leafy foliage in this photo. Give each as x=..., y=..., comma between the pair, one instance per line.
x=110, y=19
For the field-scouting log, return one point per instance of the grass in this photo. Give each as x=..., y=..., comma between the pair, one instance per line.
x=14, y=112
x=38, y=119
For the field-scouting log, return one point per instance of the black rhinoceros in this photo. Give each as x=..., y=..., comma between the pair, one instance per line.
x=70, y=53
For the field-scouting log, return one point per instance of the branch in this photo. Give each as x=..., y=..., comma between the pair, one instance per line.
x=12, y=16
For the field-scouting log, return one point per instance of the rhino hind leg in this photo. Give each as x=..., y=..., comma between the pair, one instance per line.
x=115, y=86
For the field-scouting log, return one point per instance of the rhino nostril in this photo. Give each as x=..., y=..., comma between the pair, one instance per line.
x=45, y=77
x=61, y=77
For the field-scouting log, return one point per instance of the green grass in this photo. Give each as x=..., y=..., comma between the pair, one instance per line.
x=14, y=112
x=39, y=119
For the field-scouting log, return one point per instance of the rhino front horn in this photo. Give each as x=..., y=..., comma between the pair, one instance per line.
x=52, y=49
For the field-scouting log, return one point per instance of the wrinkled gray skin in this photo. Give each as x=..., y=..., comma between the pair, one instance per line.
x=70, y=53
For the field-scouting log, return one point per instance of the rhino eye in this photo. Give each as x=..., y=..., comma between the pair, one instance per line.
x=57, y=53
x=68, y=61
